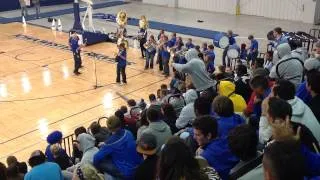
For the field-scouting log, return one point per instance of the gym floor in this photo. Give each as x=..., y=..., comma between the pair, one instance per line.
x=39, y=93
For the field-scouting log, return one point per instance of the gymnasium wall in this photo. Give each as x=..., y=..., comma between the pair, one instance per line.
x=296, y=10
x=7, y=5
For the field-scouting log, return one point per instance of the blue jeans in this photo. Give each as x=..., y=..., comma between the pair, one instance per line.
x=166, y=68
x=122, y=71
x=108, y=167
x=149, y=59
x=37, y=9
x=77, y=61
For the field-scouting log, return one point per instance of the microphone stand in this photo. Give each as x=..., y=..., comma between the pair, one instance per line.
x=96, y=86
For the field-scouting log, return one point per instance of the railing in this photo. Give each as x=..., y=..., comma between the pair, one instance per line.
x=67, y=144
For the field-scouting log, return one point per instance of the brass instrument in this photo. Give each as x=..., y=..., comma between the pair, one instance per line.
x=122, y=18
x=143, y=23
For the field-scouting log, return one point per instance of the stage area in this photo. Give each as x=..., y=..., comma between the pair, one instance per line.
x=39, y=93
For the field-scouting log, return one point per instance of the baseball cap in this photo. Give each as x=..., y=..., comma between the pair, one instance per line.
x=113, y=122
x=54, y=137
x=147, y=144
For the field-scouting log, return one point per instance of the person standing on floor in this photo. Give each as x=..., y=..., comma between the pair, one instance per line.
x=36, y=3
x=142, y=34
x=24, y=10
x=76, y=49
x=253, y=49
x=165, y=55
x=151, y=50
x=121, y=59
x=232, y=41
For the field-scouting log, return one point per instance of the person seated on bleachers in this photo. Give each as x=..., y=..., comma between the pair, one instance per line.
x=143, y=123
x=268, y=63
x=3, y=171
x=157, y=127
x=63, y=160
x=76, y=153
x=118, y=156
x=261, y=89
x=87, y=171
x=189, y=44
x=99, y=133
x=283, y=152
x=54, y=138
x=41, y=168
x=227, y=88
x=297, y=50
x=313, y=86
x=288, y=67
x=214, y=149
x=177, y=162
x=147, y=146
x=86, y=144
x=13, y=173
x=311, y=64
x=280, y=111
x=243, y=141
x=197, y=70
x=169, y=116
x=301, y=113
x=176, y=99
x=22, y=166
x=187, y=114
x=226, y=117
x=242, y=82
x=133, y=113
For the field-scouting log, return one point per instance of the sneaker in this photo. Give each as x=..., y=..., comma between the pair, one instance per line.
x=77, y=73
x=125, y=83
x=146, y=68
x=81, y=66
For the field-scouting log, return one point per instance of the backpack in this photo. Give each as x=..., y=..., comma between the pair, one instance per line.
x=296, y=58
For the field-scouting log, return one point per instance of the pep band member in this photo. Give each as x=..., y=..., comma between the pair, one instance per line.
x=76, y=49
x=121, y=59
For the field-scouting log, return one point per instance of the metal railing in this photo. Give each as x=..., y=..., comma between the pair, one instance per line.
x=67, y=144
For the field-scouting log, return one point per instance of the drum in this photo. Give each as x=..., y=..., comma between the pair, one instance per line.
x=220, y=40
x=232, y=53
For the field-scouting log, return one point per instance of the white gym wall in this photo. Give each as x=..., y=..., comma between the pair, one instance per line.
x=296, y=10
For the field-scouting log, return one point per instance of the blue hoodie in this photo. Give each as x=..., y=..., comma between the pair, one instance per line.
x=219, y=156
x=303, y=93
x=225, y=124
x=121, y=147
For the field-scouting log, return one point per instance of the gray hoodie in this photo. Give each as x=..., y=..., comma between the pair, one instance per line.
x=301, y=113
x=196, y=68
x=87, y=146
x=161, y=131
x=291, y=70
x=187, y=114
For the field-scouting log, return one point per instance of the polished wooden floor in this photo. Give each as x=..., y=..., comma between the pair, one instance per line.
x=39, y=93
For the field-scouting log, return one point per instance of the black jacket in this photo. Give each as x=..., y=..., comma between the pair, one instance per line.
x=147, y=170
x=315, y=106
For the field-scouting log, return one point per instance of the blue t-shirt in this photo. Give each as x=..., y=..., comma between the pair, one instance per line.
x=47, y=170
x=254, y=45
x=189, y=45
x=74, y=43
x=211, y=55
x=122, y=58
x=172, y=42
x=232, y=40
x=243, y=54
x=164, y=52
